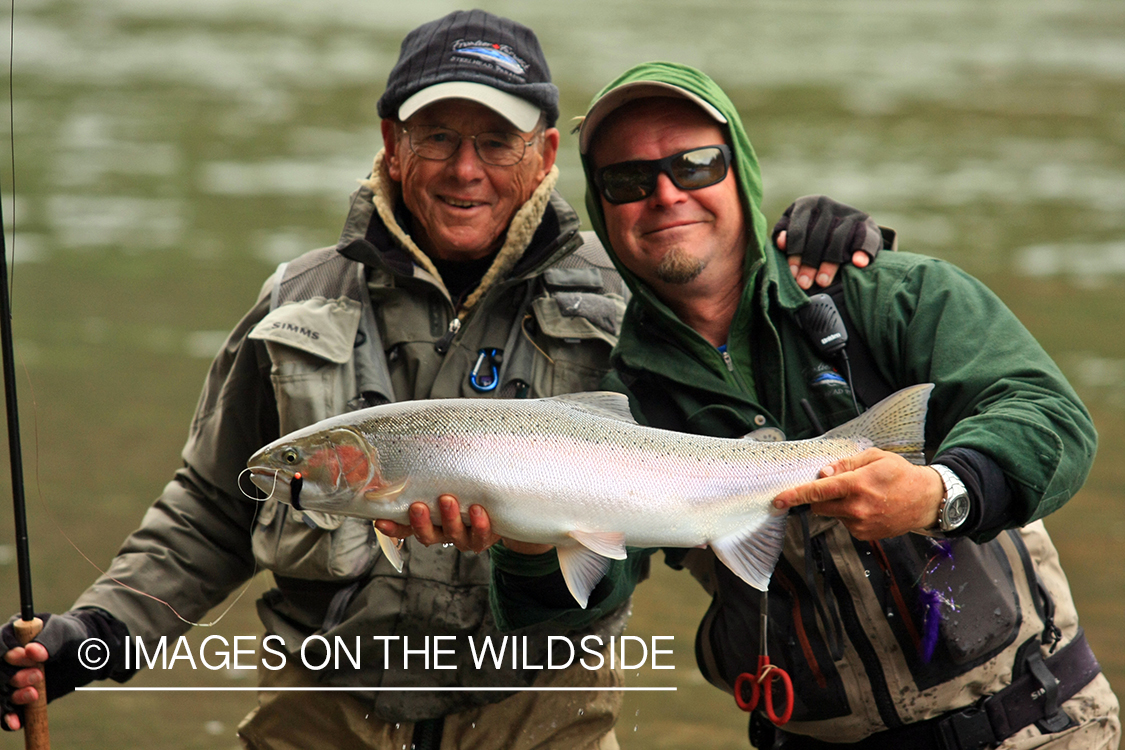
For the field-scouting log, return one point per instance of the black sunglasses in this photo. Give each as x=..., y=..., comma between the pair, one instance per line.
x=629, y=181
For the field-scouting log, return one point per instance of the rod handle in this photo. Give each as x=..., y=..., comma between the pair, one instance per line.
x=36, y=734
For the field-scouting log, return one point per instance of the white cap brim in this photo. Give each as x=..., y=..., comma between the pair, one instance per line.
x=520, y=112
x=630, y=92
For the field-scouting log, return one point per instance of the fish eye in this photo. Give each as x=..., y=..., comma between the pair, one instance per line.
x=290, y=456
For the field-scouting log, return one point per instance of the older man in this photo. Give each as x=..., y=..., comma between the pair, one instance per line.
x=460, y=272
x=449, y=280
x=892, y=639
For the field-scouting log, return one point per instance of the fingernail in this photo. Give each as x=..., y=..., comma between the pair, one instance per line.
x=824, y=279
x=779, y=504
x=793, y=271
x=804, y=281
x=415, y=512
x=827, y=471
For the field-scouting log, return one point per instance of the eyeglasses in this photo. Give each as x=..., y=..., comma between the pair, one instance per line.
x=629, y=181
x=439, y=144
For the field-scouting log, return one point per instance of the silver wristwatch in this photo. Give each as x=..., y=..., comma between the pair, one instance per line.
x=955, y=505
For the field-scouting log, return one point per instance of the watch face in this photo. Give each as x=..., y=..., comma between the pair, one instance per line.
x=956, y=511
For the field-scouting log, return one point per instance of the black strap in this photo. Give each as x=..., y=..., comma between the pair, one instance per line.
x=868, y=384
x=814, y=561
x=1030, y=699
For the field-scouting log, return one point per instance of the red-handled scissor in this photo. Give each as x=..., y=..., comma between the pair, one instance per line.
x=761, y=682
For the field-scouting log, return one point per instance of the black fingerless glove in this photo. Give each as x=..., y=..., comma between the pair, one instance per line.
x=66, y=667
x=819, y=229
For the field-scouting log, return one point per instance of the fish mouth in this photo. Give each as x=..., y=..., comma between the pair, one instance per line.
x=268, y=479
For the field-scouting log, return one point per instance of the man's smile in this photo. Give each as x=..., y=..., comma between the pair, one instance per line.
x=460, y=202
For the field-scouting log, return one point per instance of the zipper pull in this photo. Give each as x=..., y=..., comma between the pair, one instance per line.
x=441, y=346
x=728, y=360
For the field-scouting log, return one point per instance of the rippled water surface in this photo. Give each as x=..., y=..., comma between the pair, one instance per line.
x=168, y=155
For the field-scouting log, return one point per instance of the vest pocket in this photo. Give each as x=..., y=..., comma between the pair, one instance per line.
x=312, y=545
x=729, y=637
x=312, y=383
x=566, y=331
x=949, y=602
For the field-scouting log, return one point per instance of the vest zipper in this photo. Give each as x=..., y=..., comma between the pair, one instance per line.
x=876, y=677
x=441, y=346
x=728, y=360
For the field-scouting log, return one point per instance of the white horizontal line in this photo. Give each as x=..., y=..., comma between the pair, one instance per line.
x=113, y=688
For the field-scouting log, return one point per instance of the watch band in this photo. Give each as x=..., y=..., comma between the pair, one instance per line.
x=954, y=491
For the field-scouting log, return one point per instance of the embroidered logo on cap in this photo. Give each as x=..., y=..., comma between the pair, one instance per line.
x=500, y=55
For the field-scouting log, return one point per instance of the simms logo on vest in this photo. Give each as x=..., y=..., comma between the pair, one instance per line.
x=306, y=332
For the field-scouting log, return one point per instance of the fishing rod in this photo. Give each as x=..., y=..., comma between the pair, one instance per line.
x=36, y=733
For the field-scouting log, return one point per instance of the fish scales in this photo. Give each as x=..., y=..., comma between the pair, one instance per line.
x=574, y=471
x=682, y=473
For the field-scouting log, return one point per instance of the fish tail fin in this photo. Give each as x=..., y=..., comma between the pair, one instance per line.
x=752, y=551
x=896, y=424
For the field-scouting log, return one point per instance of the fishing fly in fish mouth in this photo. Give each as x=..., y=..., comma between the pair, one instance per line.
x=575, y=471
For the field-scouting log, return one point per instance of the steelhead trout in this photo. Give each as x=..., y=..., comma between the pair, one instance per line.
x=575, y=471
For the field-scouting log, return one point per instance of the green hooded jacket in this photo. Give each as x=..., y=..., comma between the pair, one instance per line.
x=924, y=320
x=1000, y=404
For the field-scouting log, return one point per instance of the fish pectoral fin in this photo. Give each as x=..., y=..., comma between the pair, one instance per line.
x=581, y=569
x=752, y=551
x=609, y=544
x=385, y=494
x=392, y=548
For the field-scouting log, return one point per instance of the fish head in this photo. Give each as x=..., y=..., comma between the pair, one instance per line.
x=335, y=466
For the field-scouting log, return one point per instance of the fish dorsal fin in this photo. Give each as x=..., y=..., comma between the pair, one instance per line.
x=609, y=544
x=392, y=548
x=896, y=424
x=581, y=569
x=606, y=404
x=752, y=551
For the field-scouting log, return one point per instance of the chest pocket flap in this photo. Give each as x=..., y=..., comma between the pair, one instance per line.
x=325, y=328
x=579, y=315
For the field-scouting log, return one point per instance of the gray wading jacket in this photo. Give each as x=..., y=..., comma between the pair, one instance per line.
x=337, y=329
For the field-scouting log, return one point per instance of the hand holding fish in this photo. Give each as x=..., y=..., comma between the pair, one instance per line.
x=477, y=537
x=875, y=494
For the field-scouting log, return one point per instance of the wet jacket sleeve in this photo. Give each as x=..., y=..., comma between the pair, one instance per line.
x=193, y=545
x=997, y=392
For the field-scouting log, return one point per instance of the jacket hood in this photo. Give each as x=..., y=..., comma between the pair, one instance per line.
x=745, y=161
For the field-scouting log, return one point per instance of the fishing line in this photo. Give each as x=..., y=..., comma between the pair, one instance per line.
x=58, y=527
x=247, y=495
x=27, y=375
x=523, y=327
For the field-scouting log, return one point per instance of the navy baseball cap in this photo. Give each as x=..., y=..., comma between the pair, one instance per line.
x=477, y=56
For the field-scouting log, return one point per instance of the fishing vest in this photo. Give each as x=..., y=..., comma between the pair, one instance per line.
x=345, y=332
